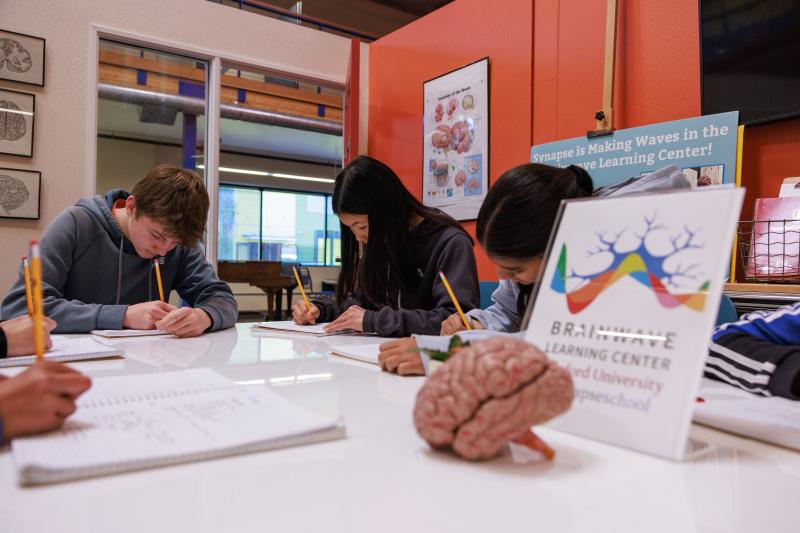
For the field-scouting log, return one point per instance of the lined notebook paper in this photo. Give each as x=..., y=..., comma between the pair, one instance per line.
x=115, y=333
x=67, y=349
x=135, y=422
x=313, y=329
x=367, y=353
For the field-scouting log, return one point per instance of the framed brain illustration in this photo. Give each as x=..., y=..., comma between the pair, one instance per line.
x=19, y=193
x=16, y=123
x=21, y=58
x=455, y=137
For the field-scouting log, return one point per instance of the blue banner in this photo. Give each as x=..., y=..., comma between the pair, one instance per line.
x=703, y=147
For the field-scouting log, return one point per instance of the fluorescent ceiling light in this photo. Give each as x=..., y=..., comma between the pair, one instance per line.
x=270, y=174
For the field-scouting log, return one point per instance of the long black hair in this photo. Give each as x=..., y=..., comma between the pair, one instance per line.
x=368, y=187
x=518, y=214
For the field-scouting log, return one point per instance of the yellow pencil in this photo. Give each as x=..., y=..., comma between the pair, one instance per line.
x=455, y=302
x=26, y=275
x=302, y=291
x=38, y=303
x=158, y=278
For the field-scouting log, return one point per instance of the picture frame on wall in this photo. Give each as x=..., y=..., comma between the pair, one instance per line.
x=17, y=114
x=20, y=193
x=455, y=137
x=22, y=58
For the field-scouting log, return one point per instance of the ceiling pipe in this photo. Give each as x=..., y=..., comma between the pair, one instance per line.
x=196, y=106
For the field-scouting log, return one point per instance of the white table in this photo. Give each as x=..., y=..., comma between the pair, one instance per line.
x=383, y=477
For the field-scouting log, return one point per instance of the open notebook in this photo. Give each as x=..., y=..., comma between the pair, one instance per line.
x=367, y=353
x=67, y=349
x=775, y=420
x=115, y=333
x=135, y=422
x=314, y=329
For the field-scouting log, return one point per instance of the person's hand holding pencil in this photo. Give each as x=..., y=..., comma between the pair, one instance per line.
x=303, y=312
x=460, y=312
x=19, y=335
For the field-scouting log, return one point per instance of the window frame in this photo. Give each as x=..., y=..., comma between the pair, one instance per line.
x=215, y=60
x=261, y=190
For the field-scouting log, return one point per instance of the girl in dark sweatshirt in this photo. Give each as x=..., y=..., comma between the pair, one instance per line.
x=393, y=249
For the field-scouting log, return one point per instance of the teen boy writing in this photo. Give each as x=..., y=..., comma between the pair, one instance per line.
x=97, y=261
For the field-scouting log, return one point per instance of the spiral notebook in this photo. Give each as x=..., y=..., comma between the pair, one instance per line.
x=136, y=422
x=67, y=349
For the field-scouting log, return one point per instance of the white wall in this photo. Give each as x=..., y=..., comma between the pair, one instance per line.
x=63, y=146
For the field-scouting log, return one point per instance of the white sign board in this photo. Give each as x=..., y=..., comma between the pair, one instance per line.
x=627, y=302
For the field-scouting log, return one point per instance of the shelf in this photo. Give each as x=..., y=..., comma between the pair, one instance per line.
x=772, y=288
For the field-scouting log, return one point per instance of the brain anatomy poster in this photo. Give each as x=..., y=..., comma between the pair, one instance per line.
x=455, y=166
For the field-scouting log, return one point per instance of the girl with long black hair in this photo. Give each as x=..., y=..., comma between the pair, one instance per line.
x=514, y=225
x=393, y=249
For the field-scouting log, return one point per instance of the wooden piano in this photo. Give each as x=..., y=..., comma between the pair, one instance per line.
x=266, y=275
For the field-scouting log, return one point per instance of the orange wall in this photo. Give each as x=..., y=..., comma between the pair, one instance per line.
x=555, y=48
x=658, y=64
x=459, y=33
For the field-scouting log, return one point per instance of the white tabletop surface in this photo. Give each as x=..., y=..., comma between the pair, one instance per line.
x=383, y=477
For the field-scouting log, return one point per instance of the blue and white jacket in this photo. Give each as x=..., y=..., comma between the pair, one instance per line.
x=759, y=353
x=781, y=326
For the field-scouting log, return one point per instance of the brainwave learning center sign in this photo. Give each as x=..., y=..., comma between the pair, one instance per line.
x=703, y=147
x=627, y=305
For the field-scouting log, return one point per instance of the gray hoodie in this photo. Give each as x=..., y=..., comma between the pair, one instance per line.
x=91, y=273
x=436, y=247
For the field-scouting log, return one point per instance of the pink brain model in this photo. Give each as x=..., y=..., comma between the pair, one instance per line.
x=488, y=394
x=438, y=113
x=461, y=177
x=440, y=137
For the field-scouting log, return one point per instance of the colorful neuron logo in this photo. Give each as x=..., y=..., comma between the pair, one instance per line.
x=655, y=258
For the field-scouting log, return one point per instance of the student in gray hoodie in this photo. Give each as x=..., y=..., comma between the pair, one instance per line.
x=393, y=249
x=98, y=261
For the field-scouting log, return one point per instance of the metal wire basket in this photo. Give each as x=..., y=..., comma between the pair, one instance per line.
x=770, y=250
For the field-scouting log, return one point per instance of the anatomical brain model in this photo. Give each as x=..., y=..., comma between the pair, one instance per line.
x=488, y=394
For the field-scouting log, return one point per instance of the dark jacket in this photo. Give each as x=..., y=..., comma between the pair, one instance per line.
x=91, y=273
x=422, y=307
